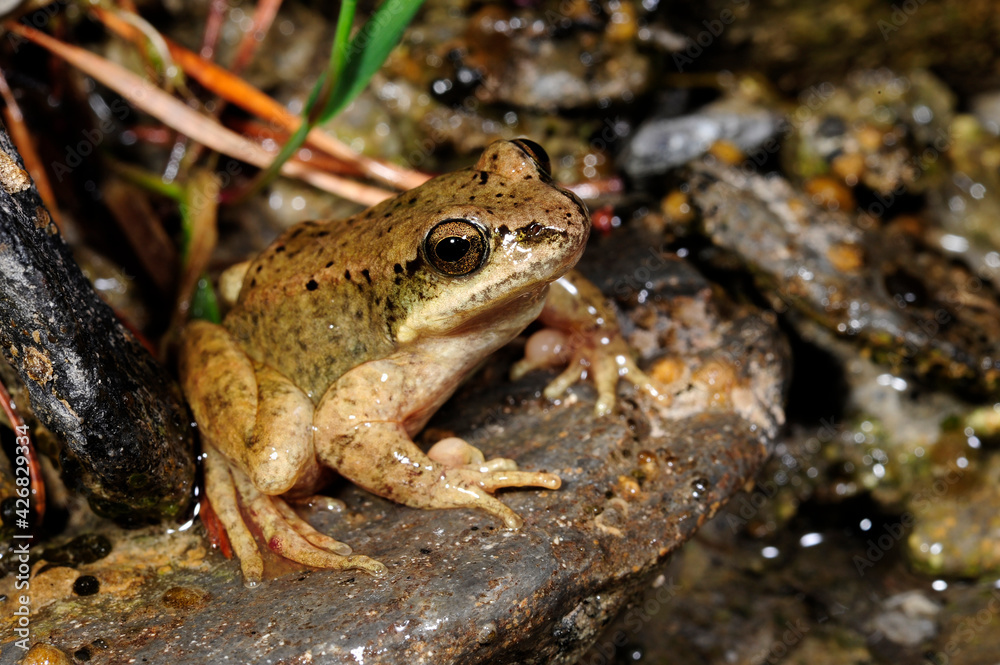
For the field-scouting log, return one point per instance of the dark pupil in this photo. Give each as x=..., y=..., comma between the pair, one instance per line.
x=452, y=248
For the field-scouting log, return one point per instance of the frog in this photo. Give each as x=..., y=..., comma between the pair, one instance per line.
x=346, y=336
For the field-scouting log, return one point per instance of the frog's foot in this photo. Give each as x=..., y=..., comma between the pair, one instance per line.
x=473, y=488
x=469, y=476
x=606, y=359
x=285, y=532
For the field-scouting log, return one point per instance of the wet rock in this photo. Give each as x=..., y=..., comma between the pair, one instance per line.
x=665, y=143
x=725, y=599
x=815, y=41
x=956, y=514
x=967, y=204
x=460, y=588
x=968, y=633
x=885, y=130
x=83, y=549
x=901, y=302
x=548, y=55
x=986, y=108
x=908, y=618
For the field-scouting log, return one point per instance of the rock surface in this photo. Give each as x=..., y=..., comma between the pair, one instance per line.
x=460, y=589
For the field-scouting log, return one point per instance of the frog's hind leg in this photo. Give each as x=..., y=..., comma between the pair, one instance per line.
x=256, y=428
x=255, y=417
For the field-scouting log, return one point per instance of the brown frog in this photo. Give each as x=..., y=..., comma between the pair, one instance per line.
x=348, y=335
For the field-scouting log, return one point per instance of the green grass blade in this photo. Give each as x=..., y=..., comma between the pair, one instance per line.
x=368, y=50
x=352, y=65
x=318, y=96
x=204, y=305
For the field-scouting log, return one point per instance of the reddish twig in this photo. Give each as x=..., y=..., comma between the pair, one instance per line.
x=34, y=468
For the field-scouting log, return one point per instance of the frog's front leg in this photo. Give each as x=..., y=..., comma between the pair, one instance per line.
x=256, y=429
x=364, y=425
x=593, y=342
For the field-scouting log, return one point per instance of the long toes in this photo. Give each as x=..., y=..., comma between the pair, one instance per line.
x=497, y=508
x=561, y=383
x=221, y=491
x=306, y=530
x=497, y=480
x=643, y=382
x=367, y=564
x=291, y=545
x=606, y=382
x=284, y=539
x=523, y=367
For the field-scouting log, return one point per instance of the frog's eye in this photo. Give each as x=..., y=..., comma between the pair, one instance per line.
x=537, y=153
x=456, y=247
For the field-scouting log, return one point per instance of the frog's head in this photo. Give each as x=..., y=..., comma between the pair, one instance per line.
x=504, y=234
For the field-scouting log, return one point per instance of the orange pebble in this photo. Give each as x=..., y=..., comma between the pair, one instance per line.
x=676, y=207
x=829, y=193
x=870, y=138
x=667, y=370
x=846, y=257
x=727, y=152
x=628, y=487
x=849, y=166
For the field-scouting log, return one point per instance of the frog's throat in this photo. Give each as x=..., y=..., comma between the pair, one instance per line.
x=505, y=319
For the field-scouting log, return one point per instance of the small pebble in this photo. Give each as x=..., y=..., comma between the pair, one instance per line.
x=86, y=585
x=44, y=654
x=830, y=193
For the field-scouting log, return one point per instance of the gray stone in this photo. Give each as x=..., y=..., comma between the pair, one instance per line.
x=661, y=144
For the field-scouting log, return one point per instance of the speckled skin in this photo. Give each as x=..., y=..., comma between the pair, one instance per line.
x=346, y=338
x=357, y=288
